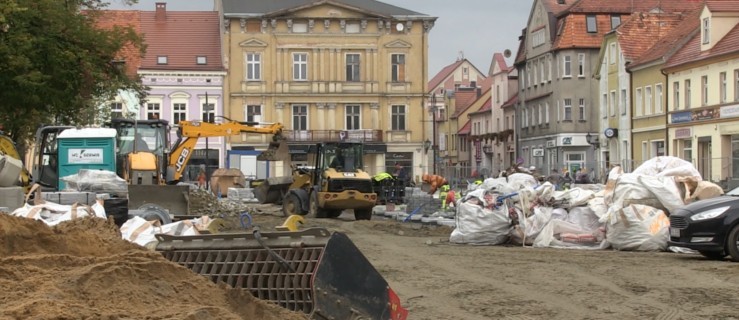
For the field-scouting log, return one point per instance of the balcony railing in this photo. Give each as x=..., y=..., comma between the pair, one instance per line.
x=365, y=135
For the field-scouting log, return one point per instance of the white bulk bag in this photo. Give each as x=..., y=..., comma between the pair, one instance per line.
x=638, y=228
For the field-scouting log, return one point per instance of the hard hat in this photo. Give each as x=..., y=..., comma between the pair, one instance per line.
x=532, y=168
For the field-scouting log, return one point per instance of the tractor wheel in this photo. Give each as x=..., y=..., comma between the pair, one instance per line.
x=291, y=206
x=316, y=211
x=363, y=214
x=334, y=213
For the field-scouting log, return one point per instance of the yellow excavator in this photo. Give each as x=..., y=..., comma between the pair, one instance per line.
x=7, y=148
x=189, y=132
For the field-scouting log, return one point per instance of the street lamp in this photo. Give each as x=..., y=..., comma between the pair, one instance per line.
x=426, y=146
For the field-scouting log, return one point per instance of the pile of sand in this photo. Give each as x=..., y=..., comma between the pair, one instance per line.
x=82, y=269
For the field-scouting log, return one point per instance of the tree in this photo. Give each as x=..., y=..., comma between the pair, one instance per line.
x=57, y=66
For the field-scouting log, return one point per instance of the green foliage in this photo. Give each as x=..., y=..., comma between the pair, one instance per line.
x=57, y=66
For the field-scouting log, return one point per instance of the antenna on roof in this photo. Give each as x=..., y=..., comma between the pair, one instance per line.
x=461, y=55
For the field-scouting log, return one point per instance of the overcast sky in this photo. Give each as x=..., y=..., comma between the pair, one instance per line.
x=478, y=28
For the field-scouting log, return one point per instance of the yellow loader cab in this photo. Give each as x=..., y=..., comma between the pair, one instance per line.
x=336, y=182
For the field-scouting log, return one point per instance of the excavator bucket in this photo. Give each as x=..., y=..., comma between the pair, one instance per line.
x=277, y=151
x=272, y=189
x=313, y=271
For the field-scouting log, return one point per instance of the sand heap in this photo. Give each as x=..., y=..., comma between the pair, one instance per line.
x=82, y=269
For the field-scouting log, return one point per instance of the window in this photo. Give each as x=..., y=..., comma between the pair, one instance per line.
x=591, y=24
x=398, y=65
x=161, y=59
x=549, y=69
x=638, y=102
x=524, y=121
x=153, y=111
x=352, y=67
x=676, y=95
x=622, y=103
x=253, y=66
x=352, y=117
x=687, y=94
x=300, y=66
x=722, y=80
x=253, y=113
x=535, y=74
x=568, y=110
x=706, y=30
x=582, y=109
x=179, y=112
x=538, y=37
x=688, y=150
x=736, y=85
x=398, y=118
x=497, y=93
x=612, y=104
x=704, y=90
x=567, y=66
x=541, y=66
x=658, y=149
x=647, y=100
x=539, y=115
x=603, y=105
x=116, y=110
x=300, y=117
x=644, y=151
x=546, y=112
x=615, y=21
x=612, y=53
x=528, y=75
x=658, y=98
x=581, y=65
x=201, y=60
x=209, y=112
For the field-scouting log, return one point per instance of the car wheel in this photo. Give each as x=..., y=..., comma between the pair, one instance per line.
x=732, y=244
x=363, y=214
x=713, y=255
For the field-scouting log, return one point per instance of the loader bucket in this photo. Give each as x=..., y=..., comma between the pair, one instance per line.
x=277, y=151
x=272, y=189
x=313, y=271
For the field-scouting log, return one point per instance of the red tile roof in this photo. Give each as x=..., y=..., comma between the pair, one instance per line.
x=722, y=5
x=573, y=26
x=626, y=7
x=555, y=7
x=182, y=37
x=108, y=19
x=499, y=60
x=672, y=41
x=511, y=102
x=486, y=107
x=691, y=51
x=444, y=73
x=466, y=128
x=642, y=30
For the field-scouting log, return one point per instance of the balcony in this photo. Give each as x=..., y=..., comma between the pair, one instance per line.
x=365, y=135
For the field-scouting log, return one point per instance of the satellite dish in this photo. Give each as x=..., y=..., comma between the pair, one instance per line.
x=399, y=26
x=507, y=53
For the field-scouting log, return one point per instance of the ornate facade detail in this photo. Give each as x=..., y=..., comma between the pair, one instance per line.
x=311, y=24
x=242, y=23
x=226, y=25
x=342, y=23
x=408, y=25
x=320, y=106
x=380, y=25
x=326, y=25
x=374, y=106
x=427, y=25
x=264, y=25
x=289, y=25
x=274, y=24
x=332, y=106
x=279, y=105
x=387, y=25
x=364, y=24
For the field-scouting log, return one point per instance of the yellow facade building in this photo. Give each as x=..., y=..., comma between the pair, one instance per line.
x=329, y=71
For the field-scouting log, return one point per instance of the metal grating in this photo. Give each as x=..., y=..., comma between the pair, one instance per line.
x=256, y=271
x=678, y=222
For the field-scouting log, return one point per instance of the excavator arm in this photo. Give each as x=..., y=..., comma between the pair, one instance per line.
x=190, y=131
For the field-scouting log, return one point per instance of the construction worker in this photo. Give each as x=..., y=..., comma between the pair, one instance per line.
x=447, y=196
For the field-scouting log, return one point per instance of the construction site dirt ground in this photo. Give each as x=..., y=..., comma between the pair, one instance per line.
x=439, y=280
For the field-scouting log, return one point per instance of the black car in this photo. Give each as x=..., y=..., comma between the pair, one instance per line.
x=709, y=226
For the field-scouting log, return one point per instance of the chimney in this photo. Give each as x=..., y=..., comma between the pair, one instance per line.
x=473, y=84
x=161, y=11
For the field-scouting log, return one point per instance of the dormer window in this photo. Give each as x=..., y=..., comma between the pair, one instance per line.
x=201, y=60
x=161, y=59
x=591, y=24
x=615, y=21
x=706, y=31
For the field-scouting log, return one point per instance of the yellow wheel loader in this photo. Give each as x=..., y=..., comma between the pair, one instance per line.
x=7, y=148
x=336, y=182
